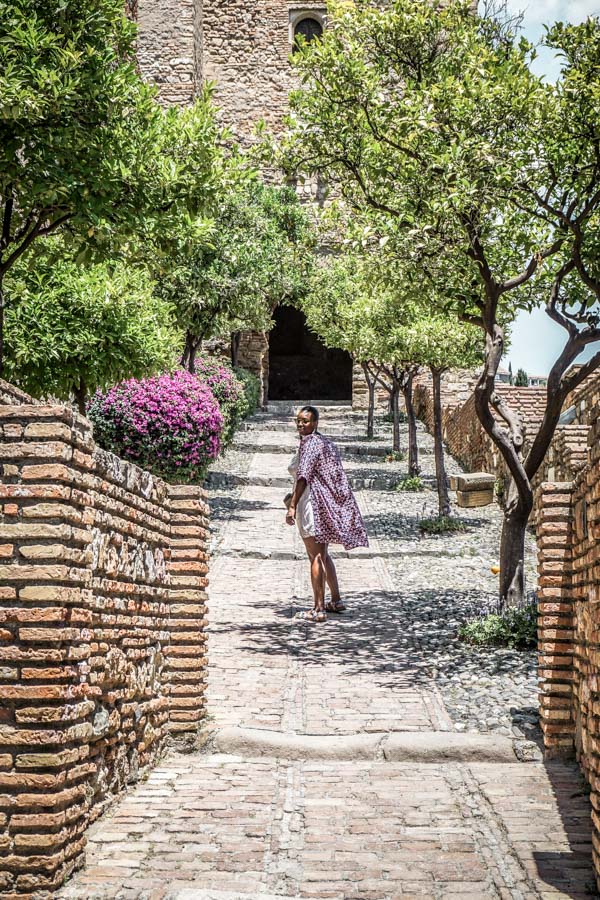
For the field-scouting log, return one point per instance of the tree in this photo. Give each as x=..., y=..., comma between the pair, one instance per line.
x=479, y=174
x=441, y=342
x=257, y=255
x=76, y=329
x=521, y=378
x=85, y=148
x=348, y=306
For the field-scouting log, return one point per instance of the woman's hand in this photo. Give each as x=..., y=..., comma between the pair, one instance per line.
x=291, y=515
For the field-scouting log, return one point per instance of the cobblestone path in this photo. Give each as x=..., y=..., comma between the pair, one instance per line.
x=373, y=757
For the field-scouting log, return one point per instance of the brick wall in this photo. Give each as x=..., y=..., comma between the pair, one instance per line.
x=254, y=356
x=101, y=634
x=568, y=531
x=555, y=616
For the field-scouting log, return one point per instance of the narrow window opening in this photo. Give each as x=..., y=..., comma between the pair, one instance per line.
x=308, y=29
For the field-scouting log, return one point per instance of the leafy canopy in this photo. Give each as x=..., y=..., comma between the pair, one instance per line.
x=256, y=255
x=84, y=145
x=87, y=327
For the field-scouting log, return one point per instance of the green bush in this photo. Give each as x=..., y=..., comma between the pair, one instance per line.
x=514, y=627
x=402, y=417
x=251, y=385
x=410, y=483
x=395, y=456
x=441, y=525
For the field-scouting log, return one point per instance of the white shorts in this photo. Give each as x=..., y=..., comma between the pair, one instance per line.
x=305, y=519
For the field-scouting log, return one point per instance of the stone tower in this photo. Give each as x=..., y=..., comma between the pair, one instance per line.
x=244, y=48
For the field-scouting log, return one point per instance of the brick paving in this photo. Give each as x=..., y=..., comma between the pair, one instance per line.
x=218, y=826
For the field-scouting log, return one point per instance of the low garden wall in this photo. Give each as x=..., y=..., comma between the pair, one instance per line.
x=102, y=633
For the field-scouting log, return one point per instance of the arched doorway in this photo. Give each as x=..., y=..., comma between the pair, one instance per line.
x=301, y=367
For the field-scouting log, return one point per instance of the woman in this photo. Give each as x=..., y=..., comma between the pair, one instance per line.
x=324, y=508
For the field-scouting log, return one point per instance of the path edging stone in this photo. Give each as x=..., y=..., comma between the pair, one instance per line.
x=414, y=747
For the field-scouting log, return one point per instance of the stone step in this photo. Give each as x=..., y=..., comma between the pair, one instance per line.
x=398, y=552
x=366, y=450
x=392, y=746
x=357, y=482
x=210, y=894
x=281, y=407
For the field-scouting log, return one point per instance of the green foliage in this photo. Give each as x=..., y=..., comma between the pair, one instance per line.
x=73, y=329
x=256, y=255
x=251, y=385
x=410, y=483
x=468, y=175
x=515, y=627
x=521, y=378
x=395, y=456
x=441, y=525
x=500, y=489
x=85, y=148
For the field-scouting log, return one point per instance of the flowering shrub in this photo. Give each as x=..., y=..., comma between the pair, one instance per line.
x=220, y=379
x=233, y=391
x=170, y=424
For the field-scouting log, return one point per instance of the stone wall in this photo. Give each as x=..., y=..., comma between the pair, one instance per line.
x=102, y=630
x=169, y=47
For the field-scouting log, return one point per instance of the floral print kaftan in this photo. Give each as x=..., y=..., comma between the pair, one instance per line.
x=337, y=517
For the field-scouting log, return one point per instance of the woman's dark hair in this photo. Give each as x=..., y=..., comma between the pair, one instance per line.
x=312, y=410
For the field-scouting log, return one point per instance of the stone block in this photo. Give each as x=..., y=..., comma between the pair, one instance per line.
x=473, y=481
x=469, y=499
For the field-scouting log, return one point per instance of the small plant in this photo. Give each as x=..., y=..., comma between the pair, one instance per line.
x=514, y=627
x=410, y=483
x=499, y=490
x=395, y=456
x=441, y=525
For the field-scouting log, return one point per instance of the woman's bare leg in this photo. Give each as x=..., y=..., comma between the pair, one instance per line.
x=317, y=554
x=332, y=580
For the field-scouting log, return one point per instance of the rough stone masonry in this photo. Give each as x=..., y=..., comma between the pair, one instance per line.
x=102, y=628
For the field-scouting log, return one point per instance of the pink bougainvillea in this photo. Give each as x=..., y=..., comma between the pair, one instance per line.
x=170, y=424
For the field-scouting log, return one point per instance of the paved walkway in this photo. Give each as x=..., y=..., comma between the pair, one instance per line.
x=350, y=760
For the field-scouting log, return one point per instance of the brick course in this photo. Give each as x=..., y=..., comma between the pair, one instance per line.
x=102, y=633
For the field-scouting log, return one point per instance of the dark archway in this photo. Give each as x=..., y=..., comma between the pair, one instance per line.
x=300, y=366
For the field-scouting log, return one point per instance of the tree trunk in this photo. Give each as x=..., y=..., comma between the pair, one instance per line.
x=413, y=447
x=394, y=398
x=236, y=337
x=440, y=466
x=371, y=412
x=509, y=440
x=188, y=358
x=192, y=358
x=371, y=384
x=80, y=394
x=512, y=548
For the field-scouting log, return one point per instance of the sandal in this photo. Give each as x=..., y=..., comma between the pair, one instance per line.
x=335, y=606
x=311, y=615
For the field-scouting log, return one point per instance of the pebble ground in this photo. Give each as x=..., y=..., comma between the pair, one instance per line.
x=218, y=826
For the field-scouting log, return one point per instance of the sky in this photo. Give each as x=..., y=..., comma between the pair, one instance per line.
x=536, y=340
